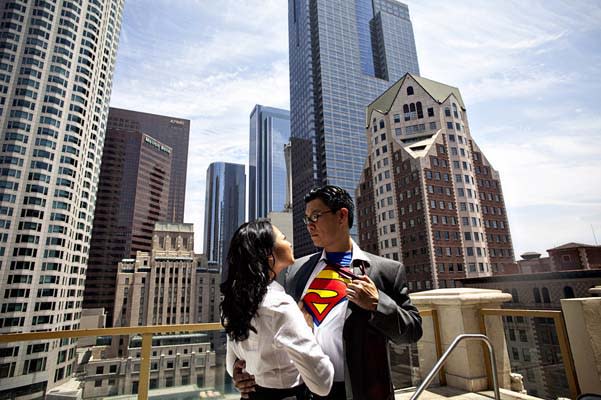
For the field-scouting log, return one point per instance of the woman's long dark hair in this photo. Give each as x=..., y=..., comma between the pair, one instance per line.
x=248, y=276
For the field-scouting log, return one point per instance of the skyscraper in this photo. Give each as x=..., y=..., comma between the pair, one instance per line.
x=343, y=54
x=56, y=69
x=172, y=131
x=269, y=134
x=428, y=195
x=133, y=194
x=225, y=209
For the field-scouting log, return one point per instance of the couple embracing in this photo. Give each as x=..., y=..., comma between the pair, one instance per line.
x=325, y=333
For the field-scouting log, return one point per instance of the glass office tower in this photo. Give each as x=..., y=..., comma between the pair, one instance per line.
x=172, y=131
x=225, y=209
x=269, y=134
x=56, y=65
x=343, y=55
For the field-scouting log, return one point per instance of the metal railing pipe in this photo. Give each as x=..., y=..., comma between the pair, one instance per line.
x=439, y=364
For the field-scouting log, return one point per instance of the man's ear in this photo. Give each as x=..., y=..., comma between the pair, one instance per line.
x=344, y=214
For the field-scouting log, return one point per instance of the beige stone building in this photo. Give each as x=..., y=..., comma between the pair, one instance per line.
x=428, y=196
x=177, y=360
x=170, y=285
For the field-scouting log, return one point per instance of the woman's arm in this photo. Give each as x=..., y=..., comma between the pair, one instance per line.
x=296, y=338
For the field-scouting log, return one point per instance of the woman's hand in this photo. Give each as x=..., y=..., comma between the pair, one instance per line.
x=243, y=381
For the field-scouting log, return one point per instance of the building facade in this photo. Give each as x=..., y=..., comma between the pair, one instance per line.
x=177, y=360
x=567, y=257
x=343, y=54
x=133, y=195
x=56, y=67
x=267, y=173
x=428, y=196
x=225, y=209
x=173, y=132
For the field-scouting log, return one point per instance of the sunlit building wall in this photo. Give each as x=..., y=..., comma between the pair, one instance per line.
x=56, y=68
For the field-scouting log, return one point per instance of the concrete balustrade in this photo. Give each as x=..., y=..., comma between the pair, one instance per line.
x=583, y=323
x=459, y=312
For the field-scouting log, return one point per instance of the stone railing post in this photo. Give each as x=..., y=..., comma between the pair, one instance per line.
x=459, y=312
x=583, y=323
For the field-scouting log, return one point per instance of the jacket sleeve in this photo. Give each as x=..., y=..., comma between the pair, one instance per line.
x=296, y=338
x=395, y=316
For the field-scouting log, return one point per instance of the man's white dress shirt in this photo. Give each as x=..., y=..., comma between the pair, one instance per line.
x=329, y=332
x=283, y=353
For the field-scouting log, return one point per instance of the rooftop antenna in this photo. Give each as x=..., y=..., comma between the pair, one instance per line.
x=594, y=236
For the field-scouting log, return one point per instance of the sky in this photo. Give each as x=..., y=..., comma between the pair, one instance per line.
x=529, y=73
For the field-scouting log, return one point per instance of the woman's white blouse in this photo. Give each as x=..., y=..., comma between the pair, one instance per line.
x=283, y=353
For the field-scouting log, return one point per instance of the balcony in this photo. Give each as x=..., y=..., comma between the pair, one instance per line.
x=187, y=361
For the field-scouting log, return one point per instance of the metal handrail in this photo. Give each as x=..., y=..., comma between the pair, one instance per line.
x=466, y=336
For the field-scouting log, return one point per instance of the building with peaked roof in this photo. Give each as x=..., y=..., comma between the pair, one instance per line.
x=428, y=195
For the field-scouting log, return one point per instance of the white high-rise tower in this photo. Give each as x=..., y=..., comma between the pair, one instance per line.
x=56, y=66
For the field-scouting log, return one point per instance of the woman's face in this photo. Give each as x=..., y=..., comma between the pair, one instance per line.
x=282, y=252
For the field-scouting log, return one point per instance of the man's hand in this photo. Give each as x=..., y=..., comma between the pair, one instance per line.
x=243, y=381
x=363, y=292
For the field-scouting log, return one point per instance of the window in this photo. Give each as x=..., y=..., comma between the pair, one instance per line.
x=546, y=298
x=536, y=294
x=409, y=90
x=568, y=292
x=514, y=295
x=430, y=112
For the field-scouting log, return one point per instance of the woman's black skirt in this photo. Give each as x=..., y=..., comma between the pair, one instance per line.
x=296, y=393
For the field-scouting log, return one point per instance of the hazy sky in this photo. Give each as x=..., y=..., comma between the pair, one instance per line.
x=529, y=73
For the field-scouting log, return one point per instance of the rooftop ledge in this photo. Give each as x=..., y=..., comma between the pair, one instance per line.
x=456, y=296
x=447, y=392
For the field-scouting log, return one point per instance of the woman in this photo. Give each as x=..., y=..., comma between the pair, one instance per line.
x=264, y=325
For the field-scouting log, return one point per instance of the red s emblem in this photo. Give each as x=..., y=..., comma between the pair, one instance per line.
x=325, y=292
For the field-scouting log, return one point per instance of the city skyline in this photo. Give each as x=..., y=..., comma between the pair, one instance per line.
x=529, y=76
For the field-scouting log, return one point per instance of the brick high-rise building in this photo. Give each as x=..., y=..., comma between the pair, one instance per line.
x=133, y=195
x=428, y=196
x=56, y=67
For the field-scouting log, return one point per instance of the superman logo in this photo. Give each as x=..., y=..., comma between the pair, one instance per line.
x=325, y=292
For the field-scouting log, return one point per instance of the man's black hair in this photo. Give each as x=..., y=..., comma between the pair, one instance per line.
x=335, y=198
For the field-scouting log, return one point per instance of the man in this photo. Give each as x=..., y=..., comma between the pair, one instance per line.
x=357, y=301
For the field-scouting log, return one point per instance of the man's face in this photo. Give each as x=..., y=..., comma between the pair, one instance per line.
x=327, y=229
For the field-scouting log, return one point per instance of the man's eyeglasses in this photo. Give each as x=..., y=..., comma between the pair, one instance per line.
x=313, y=218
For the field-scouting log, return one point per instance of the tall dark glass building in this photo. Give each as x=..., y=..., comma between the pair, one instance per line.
x=133, y=195
x=343, y=55
x=269, y=134
x=225, y=209
x=172, y=131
